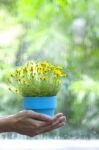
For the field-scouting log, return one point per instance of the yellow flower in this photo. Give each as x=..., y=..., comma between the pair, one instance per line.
x=12, y=75
x=30, y=68
x=25, y=82
x=39, y=72
x=44, y=64
x=58, y=73
x=18, y=71
x=43, y=78
x=16, y=90
x=18, y=79
x=24, y=69
x=10, y=89
x=36, y=72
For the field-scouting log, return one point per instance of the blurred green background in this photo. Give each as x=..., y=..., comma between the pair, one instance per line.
x=64, y=32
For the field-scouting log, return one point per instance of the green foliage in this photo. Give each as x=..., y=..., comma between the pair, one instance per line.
x=9, y=101
x=64, y=32
x=10, y=5
x=36, y=79
x=44, y=10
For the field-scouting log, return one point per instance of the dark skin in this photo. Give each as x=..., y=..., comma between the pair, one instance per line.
x=23, y=123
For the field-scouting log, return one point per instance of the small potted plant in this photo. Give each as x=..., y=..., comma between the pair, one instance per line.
x=38, y=83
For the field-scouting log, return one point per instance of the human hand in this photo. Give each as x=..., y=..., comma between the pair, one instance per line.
x=24, y=123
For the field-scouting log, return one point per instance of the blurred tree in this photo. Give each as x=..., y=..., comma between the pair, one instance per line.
x=64, y=32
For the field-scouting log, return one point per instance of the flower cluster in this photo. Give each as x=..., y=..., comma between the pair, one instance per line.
x=36, y=79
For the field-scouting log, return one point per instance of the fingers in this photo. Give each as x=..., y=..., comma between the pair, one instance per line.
x=59, y=120
x=39, y=116
x=49, y=128
x=31, y=123
x=38, y=123
x=58, y=115
x=58, y=123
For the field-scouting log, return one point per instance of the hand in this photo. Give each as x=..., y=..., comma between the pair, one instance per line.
x=24, y=123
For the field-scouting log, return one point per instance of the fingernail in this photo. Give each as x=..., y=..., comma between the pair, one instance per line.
x=62, y=118
x=59, y=114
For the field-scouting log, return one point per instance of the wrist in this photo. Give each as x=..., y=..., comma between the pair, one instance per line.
x=6, y=124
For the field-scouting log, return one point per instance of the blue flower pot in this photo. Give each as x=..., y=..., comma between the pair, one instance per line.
x=44, y=105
